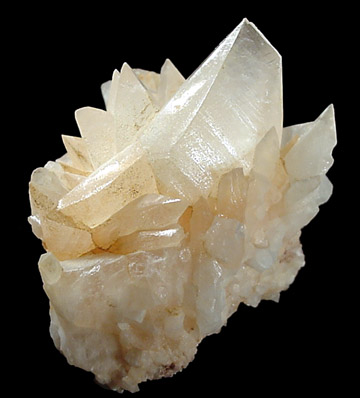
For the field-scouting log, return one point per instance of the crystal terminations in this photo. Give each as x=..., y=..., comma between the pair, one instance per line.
x=182, y=200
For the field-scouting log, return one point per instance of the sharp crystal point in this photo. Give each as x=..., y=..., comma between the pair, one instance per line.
x=181, y=200
x=311, y=154
x=209, y=117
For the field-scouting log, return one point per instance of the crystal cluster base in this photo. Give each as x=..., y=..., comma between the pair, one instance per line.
x=181, y=200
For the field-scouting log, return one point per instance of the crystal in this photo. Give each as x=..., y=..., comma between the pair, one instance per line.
x=181, y=200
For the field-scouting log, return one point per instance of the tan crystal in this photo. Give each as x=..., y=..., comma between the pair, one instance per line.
x=181, y=200
x=148, y=212
x=113, y=185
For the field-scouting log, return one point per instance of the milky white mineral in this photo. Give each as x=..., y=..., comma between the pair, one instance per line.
x=182, y=200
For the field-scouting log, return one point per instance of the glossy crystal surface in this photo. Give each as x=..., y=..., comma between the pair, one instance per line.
x=181, y=200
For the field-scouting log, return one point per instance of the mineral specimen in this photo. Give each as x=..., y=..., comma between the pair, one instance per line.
x=182, y=200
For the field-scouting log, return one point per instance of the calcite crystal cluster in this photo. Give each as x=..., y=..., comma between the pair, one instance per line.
x=181, y=200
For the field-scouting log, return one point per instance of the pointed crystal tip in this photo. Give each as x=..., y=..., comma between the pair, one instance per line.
x=180, y=201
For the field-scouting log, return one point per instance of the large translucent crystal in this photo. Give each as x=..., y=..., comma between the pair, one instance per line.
x=181, y=200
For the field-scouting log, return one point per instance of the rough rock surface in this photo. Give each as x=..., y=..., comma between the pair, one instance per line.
x=182, y=200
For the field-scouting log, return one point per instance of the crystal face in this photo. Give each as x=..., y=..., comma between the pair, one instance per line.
x=181, y=200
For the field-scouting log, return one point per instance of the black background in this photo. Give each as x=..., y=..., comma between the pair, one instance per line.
x=58, y=58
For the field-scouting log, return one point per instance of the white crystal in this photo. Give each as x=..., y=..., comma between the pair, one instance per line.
x=311, y=154
x=215, y=127
x=181, y=200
